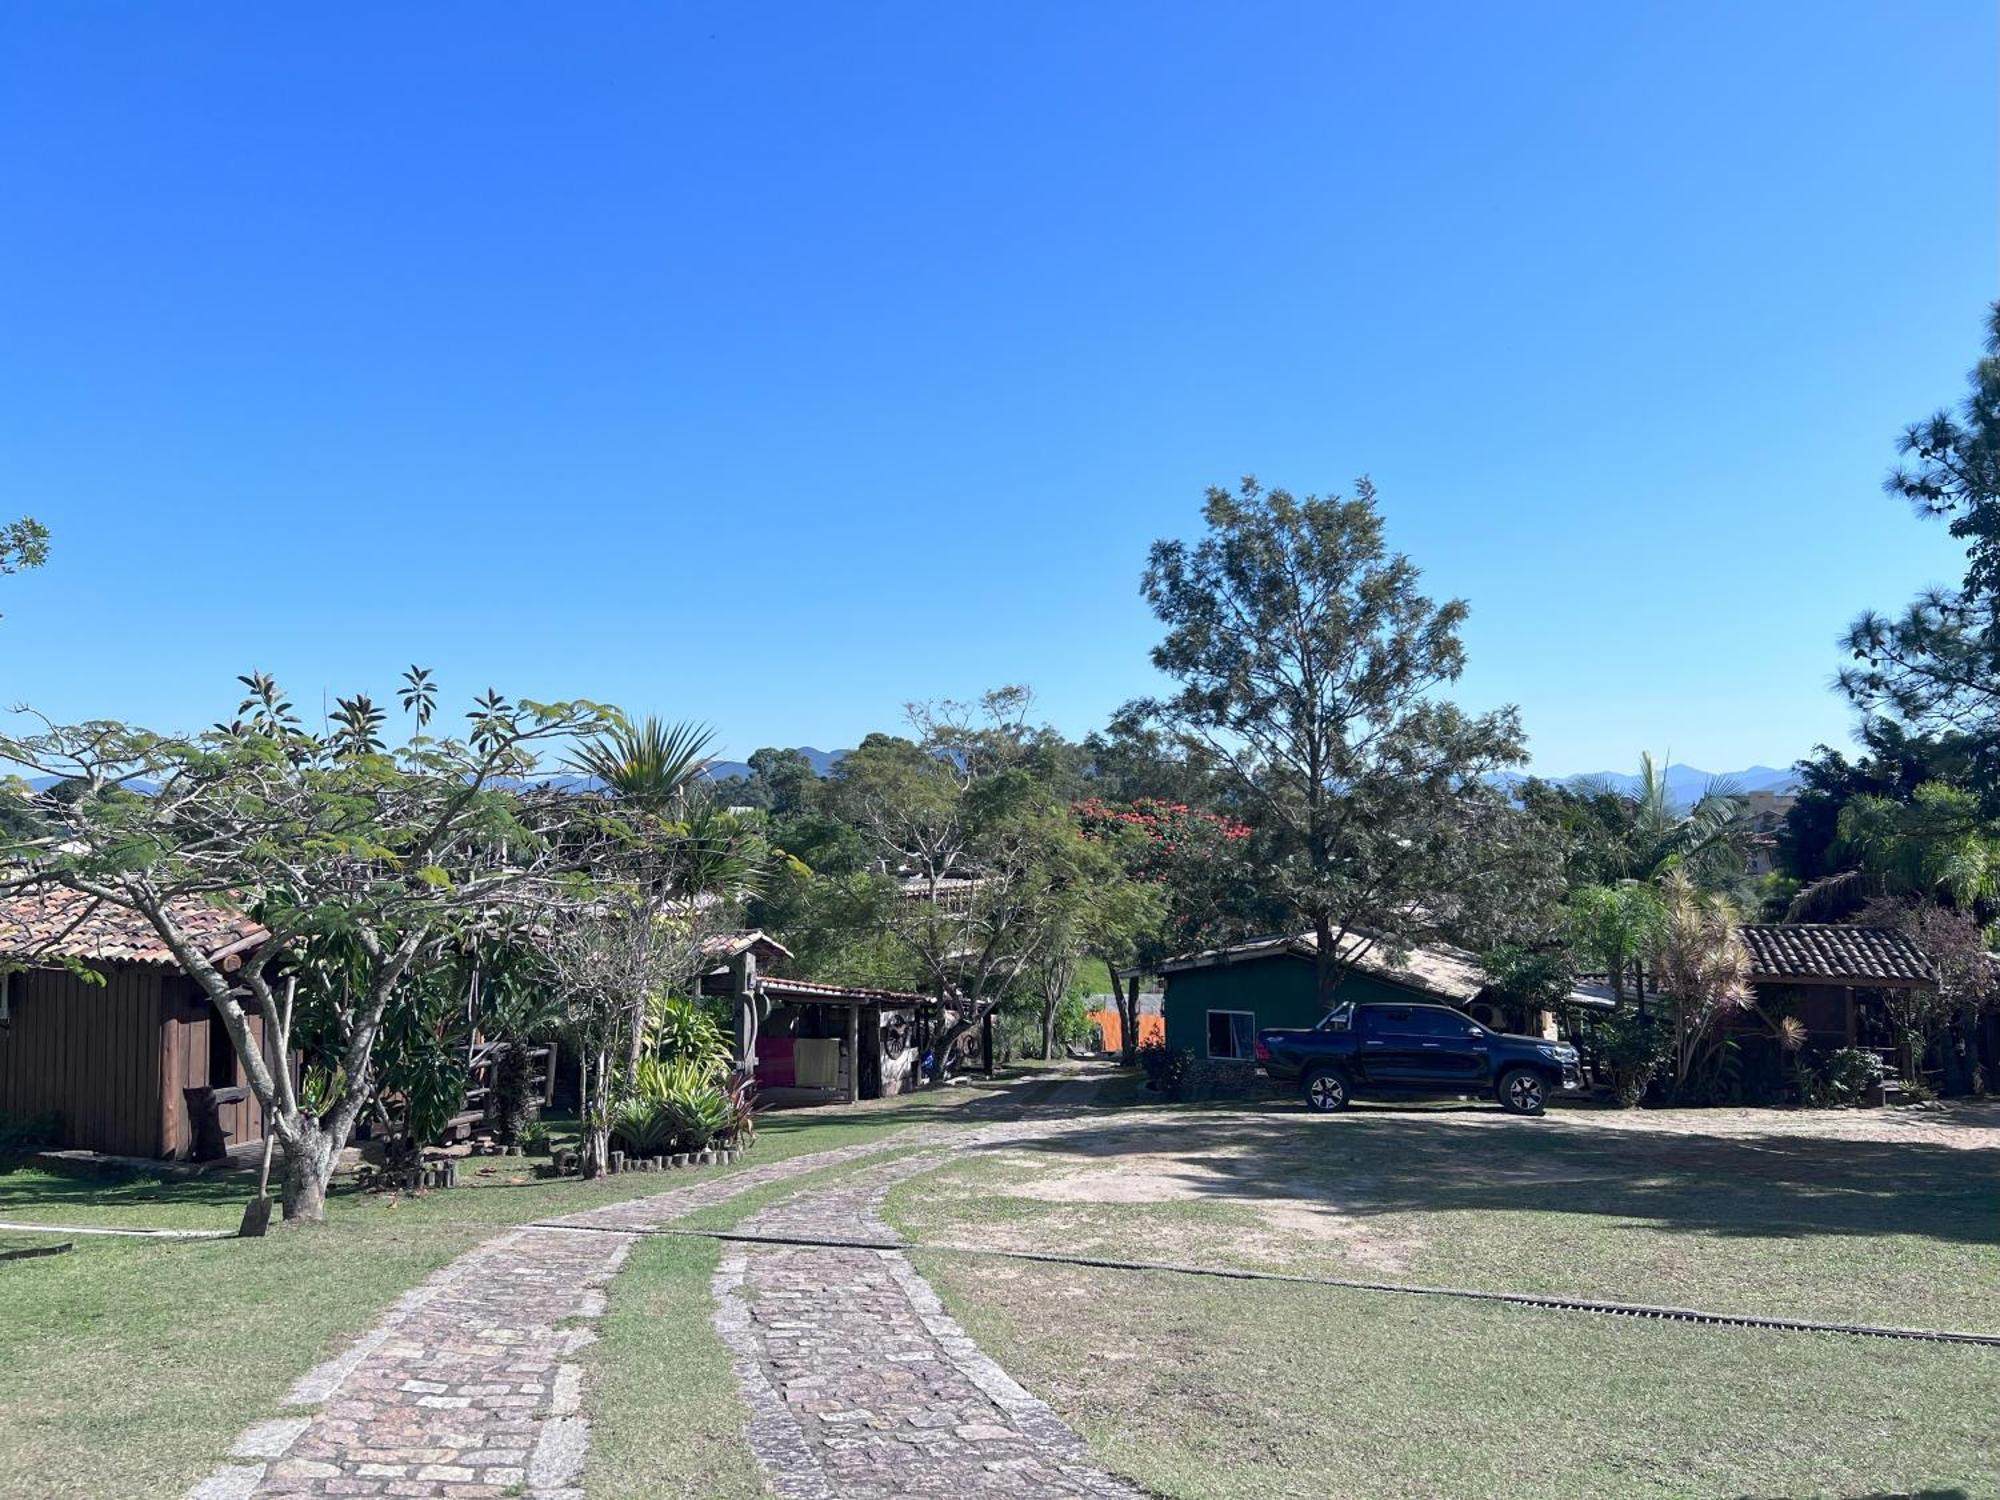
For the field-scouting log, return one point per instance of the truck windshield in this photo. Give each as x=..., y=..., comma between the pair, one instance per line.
x=1339, y=1018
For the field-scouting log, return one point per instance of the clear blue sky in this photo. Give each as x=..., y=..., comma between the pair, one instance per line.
x=776, y=364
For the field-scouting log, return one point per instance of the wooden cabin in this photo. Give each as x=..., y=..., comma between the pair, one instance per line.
x=1833, y=978
x=113, y=1057
x=802, y=1040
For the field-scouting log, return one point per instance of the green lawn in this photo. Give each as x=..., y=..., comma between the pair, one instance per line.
x=1778, y=1224
x=128, y=1366
x=1214, y=1390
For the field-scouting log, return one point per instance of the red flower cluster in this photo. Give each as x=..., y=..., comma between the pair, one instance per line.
x=1174, y=827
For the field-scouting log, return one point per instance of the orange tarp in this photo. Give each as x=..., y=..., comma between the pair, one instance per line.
x=1152, y=1030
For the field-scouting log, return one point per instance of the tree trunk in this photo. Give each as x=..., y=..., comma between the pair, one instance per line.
x=310, y=1154
x=1326, y=975
x=1128, y=1019
x=596, y=1106
x=1048, y=1028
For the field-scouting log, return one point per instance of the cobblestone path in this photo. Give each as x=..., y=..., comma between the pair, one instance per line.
x=860, y=1385
x=468, y=1388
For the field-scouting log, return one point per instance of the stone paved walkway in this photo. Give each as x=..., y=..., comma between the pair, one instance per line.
x=860, y=1385
x=468, y=1388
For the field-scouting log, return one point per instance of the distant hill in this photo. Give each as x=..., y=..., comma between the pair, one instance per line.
x=822, y=761
x=1685, y=784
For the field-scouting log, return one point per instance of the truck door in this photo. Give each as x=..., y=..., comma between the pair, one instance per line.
x=1389, y=1048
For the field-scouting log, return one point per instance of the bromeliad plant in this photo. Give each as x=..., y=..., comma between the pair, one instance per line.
x=677, y=1105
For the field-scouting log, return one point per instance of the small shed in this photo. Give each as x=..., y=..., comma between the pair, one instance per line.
x=113, y=1056
x=1832, y=977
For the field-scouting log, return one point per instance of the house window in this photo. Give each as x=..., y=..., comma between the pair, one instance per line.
x=1232, y=1034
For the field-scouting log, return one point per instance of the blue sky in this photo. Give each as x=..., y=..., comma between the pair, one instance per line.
x=774, y=365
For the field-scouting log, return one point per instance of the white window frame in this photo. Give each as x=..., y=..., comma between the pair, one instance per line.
x=1208, y=1036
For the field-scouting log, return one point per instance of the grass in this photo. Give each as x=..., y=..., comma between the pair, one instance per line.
x=666, y=1419
x=128, y=1366
x=1227, y=1390
x=1838, y=1230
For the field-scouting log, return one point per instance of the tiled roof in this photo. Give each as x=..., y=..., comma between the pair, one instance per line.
x=726, y=945
x=1828, y=953
x=806, y=990
x=59, y=923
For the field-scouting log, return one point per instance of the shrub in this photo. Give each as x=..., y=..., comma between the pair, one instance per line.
x=681, y=1031
x=1633, y=1048
x=698, y=1116
x=741, y=1128
x=1845, y=1079
x=1166, y=1068
x=513, y=1106
x=29, y=1132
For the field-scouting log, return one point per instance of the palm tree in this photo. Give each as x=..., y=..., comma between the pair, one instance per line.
x=1706, y=839
x=651, y=764
x=1935, y=847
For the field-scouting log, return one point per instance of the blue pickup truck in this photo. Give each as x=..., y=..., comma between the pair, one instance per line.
x=1391, y=1049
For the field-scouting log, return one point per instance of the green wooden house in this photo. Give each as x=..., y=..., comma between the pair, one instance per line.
x=1218, y=1000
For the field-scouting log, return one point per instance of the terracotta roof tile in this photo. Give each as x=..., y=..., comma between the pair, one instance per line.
x=58, y=923
x=1827, y=952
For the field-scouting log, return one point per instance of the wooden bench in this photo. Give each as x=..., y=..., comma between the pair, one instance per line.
x=204, y=1107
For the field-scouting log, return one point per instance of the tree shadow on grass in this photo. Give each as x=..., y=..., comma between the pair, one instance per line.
x=1770, y=1185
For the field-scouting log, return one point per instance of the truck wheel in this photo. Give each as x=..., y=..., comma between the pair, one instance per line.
x=1522, y=1091
x=1326, y=1090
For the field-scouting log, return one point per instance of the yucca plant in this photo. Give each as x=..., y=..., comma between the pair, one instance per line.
x=650, y=763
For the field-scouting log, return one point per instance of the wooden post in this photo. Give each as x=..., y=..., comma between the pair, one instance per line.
x=743, y=987
x=986, y=1032
x=853, y=1053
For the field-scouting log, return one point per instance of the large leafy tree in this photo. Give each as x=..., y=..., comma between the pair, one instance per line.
x=325, y=838
x=969, y=818
x=1311, y=669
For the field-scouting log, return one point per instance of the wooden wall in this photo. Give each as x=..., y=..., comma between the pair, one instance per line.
x=90, y=1053
x=188, y=1026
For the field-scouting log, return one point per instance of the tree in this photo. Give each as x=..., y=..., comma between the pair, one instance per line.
x=1197, y=863
x=1310, y=668
x=968, y=819
x=319, y=839
x=1936, y=846
x=1616, y=927
x=23, y=544
x=650, y=764
x=1703, y=967
x=1936, y=667
x=1096, y=910
x=612, y=958
x=653, y=770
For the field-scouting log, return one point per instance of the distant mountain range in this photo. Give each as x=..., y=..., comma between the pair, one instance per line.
x=822, y=761
x=1685, y=784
